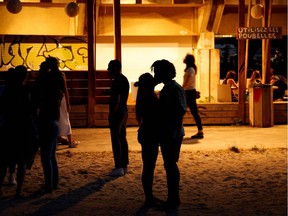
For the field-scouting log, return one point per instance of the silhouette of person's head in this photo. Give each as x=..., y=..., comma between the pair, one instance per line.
x=231, y=75
x=43, y=67
x=189, y=60
x=20, y=74
x=145, y=80
x=114, y=67
x=52, y=63
x=164, y=71
x=256, y=74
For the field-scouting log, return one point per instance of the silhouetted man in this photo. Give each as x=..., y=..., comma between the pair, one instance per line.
x=118, y=115
x=173, y=108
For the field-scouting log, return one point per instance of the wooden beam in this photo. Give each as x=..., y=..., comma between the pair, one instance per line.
x=243, y=84
x=211, y=15
x=218, y=17
x=117, y=29
x=91, y=60
x=241, y=63
x=266, y=43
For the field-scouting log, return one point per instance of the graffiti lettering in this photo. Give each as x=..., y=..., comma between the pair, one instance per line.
x=30, y=51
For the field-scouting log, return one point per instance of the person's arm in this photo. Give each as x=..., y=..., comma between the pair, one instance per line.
x=232, y=83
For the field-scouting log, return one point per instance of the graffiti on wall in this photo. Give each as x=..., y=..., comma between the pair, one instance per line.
x=30, y=51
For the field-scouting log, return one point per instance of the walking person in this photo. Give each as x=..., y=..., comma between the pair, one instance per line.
x=172, y=109
x=147, y=114
x=52, y=88
x=189, y=86
x=118, y=115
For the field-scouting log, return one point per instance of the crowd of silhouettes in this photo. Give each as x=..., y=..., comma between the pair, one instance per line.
x=31, y=112
x=18, y=115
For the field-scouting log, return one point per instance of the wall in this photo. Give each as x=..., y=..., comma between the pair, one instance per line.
x=137, y=57
x=36, y=20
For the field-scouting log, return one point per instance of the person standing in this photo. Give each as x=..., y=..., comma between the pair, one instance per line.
x=147, y=114
x=171, y=131
x=51, y=87
x=118, y=115
x=18, y=112
x=189, y=86
x=65, y=129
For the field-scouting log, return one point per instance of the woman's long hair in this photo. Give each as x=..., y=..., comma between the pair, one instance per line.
x=145, y=95
x=189, y=60
x=230, y=75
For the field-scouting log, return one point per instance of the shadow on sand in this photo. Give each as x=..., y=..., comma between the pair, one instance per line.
x=58, y=204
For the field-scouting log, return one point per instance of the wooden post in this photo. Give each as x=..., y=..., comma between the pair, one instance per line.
x=266, y=43
x=241, y=64
x=117, y=29
x=247, y=43
x=90, y=8
x=261, y=111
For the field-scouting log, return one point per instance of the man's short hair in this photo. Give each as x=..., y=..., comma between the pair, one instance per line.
x=114, y=65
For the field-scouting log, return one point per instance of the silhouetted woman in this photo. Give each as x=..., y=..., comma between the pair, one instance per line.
x=147, y=113
x=189, y=86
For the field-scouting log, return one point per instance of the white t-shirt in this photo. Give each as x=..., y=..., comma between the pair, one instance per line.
x=189, y=82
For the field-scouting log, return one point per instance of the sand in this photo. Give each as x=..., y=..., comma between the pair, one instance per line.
x=213, y=182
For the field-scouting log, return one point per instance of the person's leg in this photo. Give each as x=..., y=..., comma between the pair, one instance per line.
x=3, y=171
x=48, y=137
x=192, y=104
x=12, y=170
x=123, y=142
x=149, y=158
x=21, y=171
x=170, y=152
x=115, y=140
x=55, y=172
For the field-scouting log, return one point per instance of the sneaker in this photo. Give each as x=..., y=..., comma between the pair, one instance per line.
x=12, y=180
x=117, y=172
x=198, y=136
x=62, y=141
x=73, y=144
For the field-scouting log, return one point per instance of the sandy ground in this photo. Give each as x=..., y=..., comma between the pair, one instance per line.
x=214, y=181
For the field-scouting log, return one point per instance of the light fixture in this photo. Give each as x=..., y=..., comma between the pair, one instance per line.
x=72, y=9
x=257, y=11
x=14, y=6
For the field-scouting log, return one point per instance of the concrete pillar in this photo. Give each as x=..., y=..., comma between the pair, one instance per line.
x=208, y=65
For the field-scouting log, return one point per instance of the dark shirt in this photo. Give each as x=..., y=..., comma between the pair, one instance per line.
x=148, y=131
x=18, y=126
x=52, y=87
x=173, y=108
x=120, y=87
